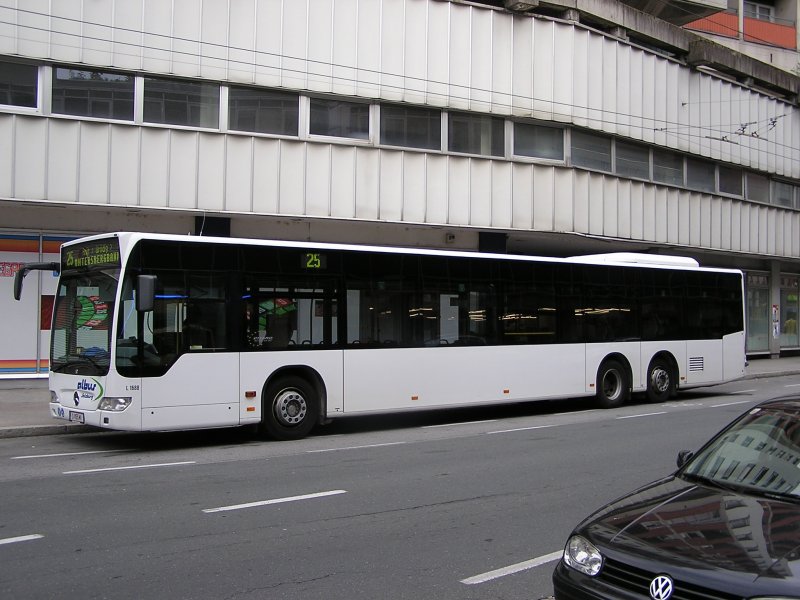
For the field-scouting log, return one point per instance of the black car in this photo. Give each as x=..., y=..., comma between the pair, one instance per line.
x=725, y=526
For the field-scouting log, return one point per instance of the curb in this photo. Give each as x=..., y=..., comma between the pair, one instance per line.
x=37, y=430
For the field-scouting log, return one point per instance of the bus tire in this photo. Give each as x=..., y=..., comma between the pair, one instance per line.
x=613, y=384
x=660, y=380
x=290, y=409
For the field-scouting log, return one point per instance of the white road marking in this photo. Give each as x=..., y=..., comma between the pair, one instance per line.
x=188, y=462
x=456, y=424
x=67, y=454
x=510, y=570
x=793, y=385
x=731, y=403
x=520, y=429
x=663, y=412
x=355, y=447
x=741, y=392
x=274, y=501
x=22, y=538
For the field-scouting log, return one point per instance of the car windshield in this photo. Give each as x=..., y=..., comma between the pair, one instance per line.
x=80, y=341
x=759, y=453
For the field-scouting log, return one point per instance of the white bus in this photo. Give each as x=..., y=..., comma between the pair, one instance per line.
x=165, y=332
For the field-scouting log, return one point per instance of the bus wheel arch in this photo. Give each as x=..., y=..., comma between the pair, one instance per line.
x=661, y=377
x=293, y=402
x=613, y=381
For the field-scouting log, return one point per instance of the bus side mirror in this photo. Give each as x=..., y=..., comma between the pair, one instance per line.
x=145, y=292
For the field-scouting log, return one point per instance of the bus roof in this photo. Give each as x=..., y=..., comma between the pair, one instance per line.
x=623, y=259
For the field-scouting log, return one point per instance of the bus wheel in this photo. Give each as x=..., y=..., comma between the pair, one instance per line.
x=660, y=382
x=613, y=388
x=290, y=409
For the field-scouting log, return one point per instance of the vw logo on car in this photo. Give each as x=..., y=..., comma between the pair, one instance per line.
x=661, y=588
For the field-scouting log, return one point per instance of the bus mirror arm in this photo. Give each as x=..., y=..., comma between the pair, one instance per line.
x=145, y=292
x=27, y=268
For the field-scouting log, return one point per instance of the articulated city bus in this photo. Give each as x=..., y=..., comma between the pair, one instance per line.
x=165, y=332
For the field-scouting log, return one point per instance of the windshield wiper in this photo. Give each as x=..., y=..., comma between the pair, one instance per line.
x=75, y=359
x=728, y=487
x=784, y=496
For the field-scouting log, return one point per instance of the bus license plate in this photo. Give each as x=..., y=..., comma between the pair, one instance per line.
x=76, y=416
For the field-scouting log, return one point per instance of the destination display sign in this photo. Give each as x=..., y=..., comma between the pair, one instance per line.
x=98, y=254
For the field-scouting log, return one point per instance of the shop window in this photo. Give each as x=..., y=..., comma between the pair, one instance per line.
x=91, y=93
x=758, y=312
x=667, y=167
x=632, y=160
x=590, y=150
x=262, y=111
x=700, y=175
x=411, y=127
x=18, y=84
x=337, y=118
x=790, y=309
x=538, y=141
x=476, y=134
x=188, y=103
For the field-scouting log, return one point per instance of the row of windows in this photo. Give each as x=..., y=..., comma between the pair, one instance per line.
x=107, y=95
x=212, y=297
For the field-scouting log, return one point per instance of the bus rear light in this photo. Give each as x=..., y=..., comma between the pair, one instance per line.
x=249, y=394
x=53, y=397
x=114, y=403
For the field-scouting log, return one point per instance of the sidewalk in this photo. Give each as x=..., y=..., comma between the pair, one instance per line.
x=24, y=402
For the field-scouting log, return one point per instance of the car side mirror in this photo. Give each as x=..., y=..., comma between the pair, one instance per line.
x=684, y=456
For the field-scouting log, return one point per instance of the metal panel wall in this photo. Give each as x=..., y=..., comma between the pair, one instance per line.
x=67, y=160
x=421, y=51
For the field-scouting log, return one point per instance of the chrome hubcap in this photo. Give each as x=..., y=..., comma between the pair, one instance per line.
x=290, y=407
x=659, y=379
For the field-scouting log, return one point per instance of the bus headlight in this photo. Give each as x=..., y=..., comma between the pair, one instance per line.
x=583, y=556
x=114, y=403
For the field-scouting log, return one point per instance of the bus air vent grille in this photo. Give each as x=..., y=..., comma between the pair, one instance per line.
x=696, y=363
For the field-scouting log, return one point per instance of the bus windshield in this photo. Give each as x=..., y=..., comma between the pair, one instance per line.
x=81, y=331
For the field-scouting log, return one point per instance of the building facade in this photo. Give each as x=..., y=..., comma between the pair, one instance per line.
x=503, y=126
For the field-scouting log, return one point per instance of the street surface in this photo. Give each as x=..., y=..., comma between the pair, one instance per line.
x=467, y=504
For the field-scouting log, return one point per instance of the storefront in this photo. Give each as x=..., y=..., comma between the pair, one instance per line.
x=26, y=325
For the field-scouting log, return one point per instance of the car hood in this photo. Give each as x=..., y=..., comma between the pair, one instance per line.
x=688, y=527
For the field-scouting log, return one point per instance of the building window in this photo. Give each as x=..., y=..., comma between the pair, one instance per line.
x=632, y=160
x=755, y=10
x=262, y=111
x=730, y=180
x=337, y=118
x=538, y=141
x=590, y=150
x=18, y=84
x=476, y=134
x=181, y=103
x=667, y=167
x=783, y=194
x=90, y=93
x=757, y=187
x=701, y=175
x=412, y=127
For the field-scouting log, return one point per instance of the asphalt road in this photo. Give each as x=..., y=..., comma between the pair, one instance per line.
x=459, y=504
